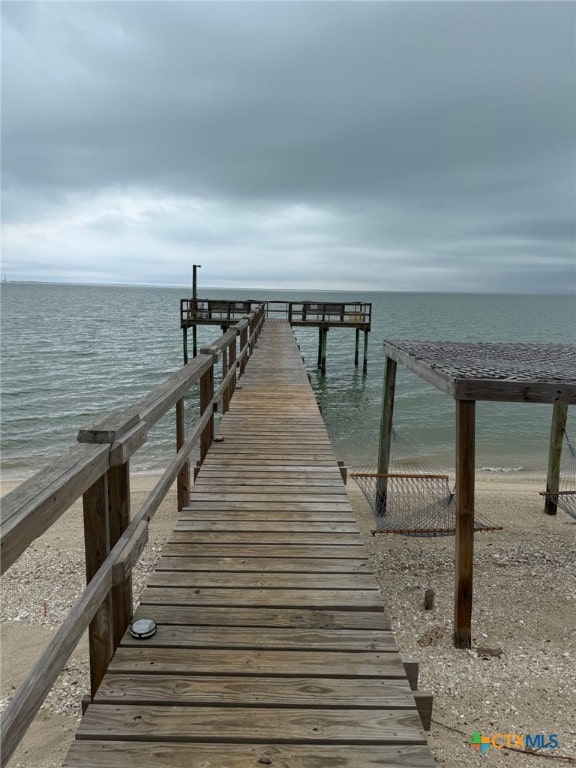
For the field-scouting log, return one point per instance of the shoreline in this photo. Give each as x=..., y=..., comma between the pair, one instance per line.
x=524, y=606
x=10, y=480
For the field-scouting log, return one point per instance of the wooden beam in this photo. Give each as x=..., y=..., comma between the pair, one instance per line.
x=465, y=468
x=559, y=417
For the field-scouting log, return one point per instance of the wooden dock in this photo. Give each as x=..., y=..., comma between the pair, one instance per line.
x=272, y=645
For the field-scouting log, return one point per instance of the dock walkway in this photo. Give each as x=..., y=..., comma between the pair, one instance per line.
x=272, y=645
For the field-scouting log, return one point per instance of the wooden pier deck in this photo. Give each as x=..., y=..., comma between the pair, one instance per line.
x=272, y=645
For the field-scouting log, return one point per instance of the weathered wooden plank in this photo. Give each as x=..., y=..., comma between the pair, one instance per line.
x=247, y=440
x=288, y=507
x=190, y=523
x=271, y=638
x=261, y=579
x=248, y=515
x=295, y=462
x=515, y=391
x=260, y=470
x=276, y=451
x=236, y=725
x=345, y=599
x=188, y=546
x=127, y=754
x=232, y=616
x=266, y=497
x=284, y=484
x=264, y=564
x=327, y=692
x=183, y=534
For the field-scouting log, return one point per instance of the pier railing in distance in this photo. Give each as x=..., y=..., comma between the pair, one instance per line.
x=301, y=313
x=97, y=469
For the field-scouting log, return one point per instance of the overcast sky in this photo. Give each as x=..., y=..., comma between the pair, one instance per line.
x=422, y=146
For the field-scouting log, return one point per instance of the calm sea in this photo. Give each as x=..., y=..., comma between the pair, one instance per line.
x=71, y=352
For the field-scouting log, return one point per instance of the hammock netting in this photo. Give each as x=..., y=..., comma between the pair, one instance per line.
x=565, y=499
x=413, y=498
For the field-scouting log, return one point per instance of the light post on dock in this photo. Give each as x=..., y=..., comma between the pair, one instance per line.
x=194, y=296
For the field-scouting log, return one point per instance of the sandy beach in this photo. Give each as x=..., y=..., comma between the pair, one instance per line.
x=519, y=678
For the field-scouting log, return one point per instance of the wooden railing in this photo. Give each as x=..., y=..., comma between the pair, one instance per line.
x=357, y=315
x=98, y=470
x=215, y=311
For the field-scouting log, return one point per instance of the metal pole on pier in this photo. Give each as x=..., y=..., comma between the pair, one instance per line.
x=194, y=296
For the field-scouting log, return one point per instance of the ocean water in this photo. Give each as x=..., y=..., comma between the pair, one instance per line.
x=71, y=352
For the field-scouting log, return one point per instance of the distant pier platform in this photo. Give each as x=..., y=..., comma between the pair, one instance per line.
x=309, y=314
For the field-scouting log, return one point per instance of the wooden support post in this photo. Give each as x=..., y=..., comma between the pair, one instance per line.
x=183, y=479
x=319, y=362
x=365, y=363
x=424, y=703
x=385, y=442
x=324, y=345
x=185, y=344
x=357, y=348
x=465, y=468
x=412, y=669
x=97, y=545
x=119, y=517
x=206, y=395
x=559, y=417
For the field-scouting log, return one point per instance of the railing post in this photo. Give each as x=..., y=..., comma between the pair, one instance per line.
x=251, y=339
x=225, y=369
x=206, y=395
x=119, y=520
x=97, y=543
x=231, y=361
x=183, y=479
x=243, y=350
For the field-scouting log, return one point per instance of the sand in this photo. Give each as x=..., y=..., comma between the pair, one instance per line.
x=524, y=613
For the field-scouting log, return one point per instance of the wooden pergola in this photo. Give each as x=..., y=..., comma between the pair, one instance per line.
x=468, y=372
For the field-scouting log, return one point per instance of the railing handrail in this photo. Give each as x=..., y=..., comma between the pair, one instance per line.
x=106, y=446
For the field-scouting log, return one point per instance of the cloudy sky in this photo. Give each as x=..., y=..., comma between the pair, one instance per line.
x=423, y=146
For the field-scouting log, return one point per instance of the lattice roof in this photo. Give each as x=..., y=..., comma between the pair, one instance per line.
x=536, y=373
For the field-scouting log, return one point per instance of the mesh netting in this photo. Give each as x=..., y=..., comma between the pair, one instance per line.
x=413, y=499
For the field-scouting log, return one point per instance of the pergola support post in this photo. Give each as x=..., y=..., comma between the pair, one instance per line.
x=465, y=471
x=385, y=443
x=559, y=417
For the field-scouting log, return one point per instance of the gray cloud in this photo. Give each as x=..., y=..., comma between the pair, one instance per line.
x=394, y=145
